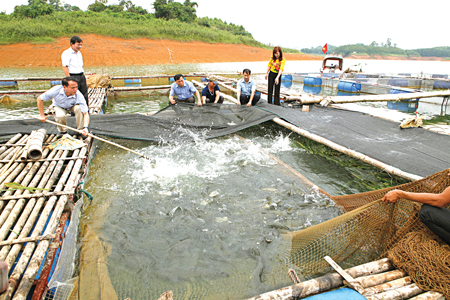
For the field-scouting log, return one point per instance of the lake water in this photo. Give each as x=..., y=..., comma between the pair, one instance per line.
x=212, y=219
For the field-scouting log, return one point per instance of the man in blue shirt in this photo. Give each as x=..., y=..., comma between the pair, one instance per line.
x=211, y=93
x=66, y=98
x=184, y=90
x=246, y=90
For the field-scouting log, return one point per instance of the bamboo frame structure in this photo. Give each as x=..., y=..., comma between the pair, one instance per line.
x=24, y=211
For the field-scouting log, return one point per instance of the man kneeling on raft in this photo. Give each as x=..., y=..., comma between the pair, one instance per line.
x=66, y=98
x=433, y=213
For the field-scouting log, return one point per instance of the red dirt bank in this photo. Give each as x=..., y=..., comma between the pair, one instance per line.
x=108, y=51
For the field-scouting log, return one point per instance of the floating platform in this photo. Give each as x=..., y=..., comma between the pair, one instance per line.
x=33, y=222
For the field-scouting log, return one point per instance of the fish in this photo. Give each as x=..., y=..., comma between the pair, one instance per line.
x=214, y=194
x=269, y=189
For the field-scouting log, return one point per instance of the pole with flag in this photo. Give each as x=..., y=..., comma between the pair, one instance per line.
x=325, y=48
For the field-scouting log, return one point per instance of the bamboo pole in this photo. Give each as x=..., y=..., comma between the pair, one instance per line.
x=391, y=285
x=10, y=142
x=431, y=295
x=45, y=159
x=385, y=167
x=35, y=195
x=398, y=294
x=324, y=283
x=95, y=137
x=140, y=88
x=28, y=239
x=373, y=280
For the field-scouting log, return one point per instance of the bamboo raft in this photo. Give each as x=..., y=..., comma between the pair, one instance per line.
x=28, y=215
x=374, y=280
x=97, y=98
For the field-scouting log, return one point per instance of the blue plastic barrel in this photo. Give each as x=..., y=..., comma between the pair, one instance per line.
x=442, y=85
x=406, y=106
x=439, y=76
x=315, y=90
x=314, y=81
x=398, y=82
x=171, y=80
x=8, y=83
x=348, y=86
x=55, y=82
x=203, y=79
x=339, y=294
x=286, y=78
x=134, y=80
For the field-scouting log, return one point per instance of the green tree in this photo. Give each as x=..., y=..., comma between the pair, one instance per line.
x=169, y=9
x=34, y=9
x=97, y=6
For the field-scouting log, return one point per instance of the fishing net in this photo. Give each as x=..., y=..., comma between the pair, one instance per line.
x=181, y=122
x=371, y=229
x=98, y=81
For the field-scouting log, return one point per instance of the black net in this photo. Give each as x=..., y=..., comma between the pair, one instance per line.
x=177, y=122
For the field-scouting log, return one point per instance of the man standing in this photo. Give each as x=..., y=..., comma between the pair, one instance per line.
x=66, y=98
x=211, y=93
x=184, y=90
x=72, y=62
x=246, y=90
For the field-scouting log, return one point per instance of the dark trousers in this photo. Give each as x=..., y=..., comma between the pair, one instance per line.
x=271, y=83
x=188, y=100
x=244, y=99
x=82, y=86
x=212, y=101
x=437, y=219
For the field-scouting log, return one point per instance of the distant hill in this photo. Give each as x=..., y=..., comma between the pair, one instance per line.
x=384, y=50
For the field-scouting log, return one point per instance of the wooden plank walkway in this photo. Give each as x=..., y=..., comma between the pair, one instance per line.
x=24, y=216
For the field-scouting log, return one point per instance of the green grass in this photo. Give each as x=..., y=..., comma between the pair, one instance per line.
x=46, y=29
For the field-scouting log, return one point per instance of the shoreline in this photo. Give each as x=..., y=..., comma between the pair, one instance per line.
x=109, y=51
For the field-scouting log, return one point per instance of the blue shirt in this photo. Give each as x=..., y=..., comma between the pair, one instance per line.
x=246, y=88
x=207, y=93
x=184, y=92
x=60, y=98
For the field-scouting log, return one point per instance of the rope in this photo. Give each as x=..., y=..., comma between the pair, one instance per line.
x=293, y=276
x=90, y=197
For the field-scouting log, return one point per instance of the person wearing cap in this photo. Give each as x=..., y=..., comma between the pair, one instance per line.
x=211, y=93
x=246, y=90
x=184, y=90
x=72, y=62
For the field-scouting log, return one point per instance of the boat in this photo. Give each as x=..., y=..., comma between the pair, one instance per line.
x=332, y=63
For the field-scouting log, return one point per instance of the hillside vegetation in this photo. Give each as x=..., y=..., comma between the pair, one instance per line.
x=383, y=49
x=42, y=21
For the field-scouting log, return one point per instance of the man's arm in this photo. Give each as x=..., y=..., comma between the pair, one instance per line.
x=251, y=99
x=85, y=123
x=40, y=105
x=217, y=96
x=199, y=100
x=66, y=71
x=438, y=200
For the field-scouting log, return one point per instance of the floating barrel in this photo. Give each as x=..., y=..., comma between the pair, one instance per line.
x=286, y=78
x=348, y=86
x=314, y=81
x=442, y=85
x=203, y=79
x=406, y=105
x=133, y=82
x=8, y=83
x=55, y=82
x=398, y=82
x=171, y=80
x=439, y=76
x=315, y=90
x=340, y=93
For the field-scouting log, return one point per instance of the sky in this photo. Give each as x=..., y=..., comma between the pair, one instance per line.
x=304, y=24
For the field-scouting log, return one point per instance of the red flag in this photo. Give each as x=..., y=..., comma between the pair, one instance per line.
x=325, y=48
